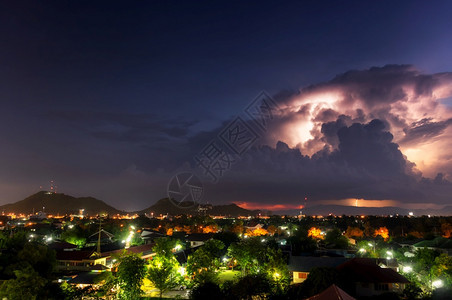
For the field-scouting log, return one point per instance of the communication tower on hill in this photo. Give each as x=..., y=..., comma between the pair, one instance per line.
x=303, y=207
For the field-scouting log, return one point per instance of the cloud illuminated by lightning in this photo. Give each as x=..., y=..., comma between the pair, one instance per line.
x=409, y=102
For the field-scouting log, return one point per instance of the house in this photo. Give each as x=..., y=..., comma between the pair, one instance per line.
x=253, y=226
x=78, y=260
x=198, y=239
x=149, y=235
x=369, y=279
x=62, y=245
x=332, y=293
x=145, y=252
x=300, y=266
x=440, y=244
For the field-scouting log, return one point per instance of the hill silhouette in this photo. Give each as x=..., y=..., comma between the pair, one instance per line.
x=58, y=203
x=165, y=206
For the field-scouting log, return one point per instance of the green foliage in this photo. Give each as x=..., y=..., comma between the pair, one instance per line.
x=262, y=259
x=27, y=285
x=277, y=271
x=164, y=247
x=251, y=287
x=163, y=267
x=163, y=274
x=442, y=268
x=227, y=237
x=203, y=264
x=335, y=239
x=248, y=253
x=207, y=291
x=40, y=257
x=427, y=266
x=412, y=291
x=130, y=275
x=301, y=243
x=320, y=279
x=76, y=236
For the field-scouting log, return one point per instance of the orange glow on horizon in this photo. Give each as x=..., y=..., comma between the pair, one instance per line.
x=256, y=206
x=352, y=202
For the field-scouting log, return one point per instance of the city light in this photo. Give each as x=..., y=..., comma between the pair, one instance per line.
x=437, y=283
x=407, y=269
x=181, y=271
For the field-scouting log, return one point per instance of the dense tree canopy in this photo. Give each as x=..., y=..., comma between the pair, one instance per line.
x=130, y=274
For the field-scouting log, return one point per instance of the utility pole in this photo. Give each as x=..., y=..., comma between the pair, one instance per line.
x=98, y=237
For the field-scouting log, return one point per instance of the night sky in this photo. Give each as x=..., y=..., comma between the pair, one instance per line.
x=111, y=99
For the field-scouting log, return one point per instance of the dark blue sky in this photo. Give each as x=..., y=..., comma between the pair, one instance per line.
x=110, y=98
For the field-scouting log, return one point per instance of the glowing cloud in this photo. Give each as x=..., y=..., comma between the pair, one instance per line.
x=407, y=101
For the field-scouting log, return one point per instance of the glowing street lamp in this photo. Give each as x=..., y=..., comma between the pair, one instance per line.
x=437, y=283
x=407, y=269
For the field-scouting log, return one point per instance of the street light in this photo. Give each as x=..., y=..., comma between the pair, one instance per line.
x=407, y=269
x=437, y=283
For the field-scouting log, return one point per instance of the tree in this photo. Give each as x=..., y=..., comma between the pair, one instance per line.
x=442, y=268
x=130, y=274
x=256, y=232
x=446, y=229
x=162, y=274
x=300, y=242
x=255, y=286
x=206, y=291
x=27, y=285
x=248, y=253
x=212, y=228
x=76, y=236
x=163, y=267
x=315, y=233
x=272, y=229
x=277, y=271
x=40, y=257
x=204, y=262
x=383, y=232
x=423, y=263
x=227, y=237
x=354, y=232
x=335, y=239
x=319, y=279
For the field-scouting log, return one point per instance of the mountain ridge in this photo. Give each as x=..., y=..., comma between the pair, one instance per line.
x=59, y=203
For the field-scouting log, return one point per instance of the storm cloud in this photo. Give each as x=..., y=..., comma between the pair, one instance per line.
x=376, y=134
